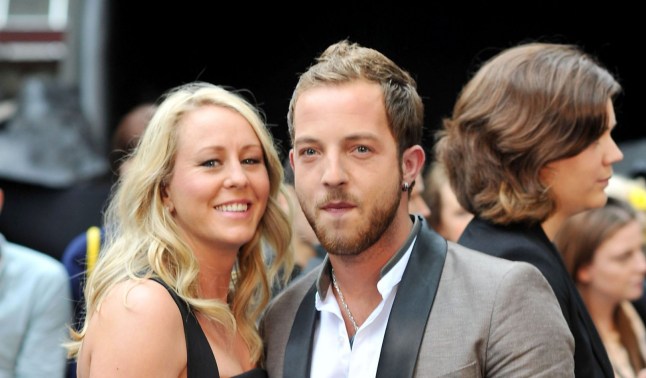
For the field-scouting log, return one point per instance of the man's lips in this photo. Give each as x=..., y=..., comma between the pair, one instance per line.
x=337, y=206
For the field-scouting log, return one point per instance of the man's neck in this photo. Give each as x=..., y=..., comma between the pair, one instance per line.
x=357, y=276
x=365, y=267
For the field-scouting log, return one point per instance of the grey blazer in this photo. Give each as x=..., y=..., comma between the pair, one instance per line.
x=457, y=313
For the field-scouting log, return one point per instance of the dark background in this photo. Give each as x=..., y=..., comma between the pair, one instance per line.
x=262, y=47
x=440, y=45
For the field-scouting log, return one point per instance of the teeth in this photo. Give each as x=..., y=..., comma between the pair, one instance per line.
x=236, y=207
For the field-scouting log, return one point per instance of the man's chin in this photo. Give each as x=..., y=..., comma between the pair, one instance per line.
x=334, y=225
x=340, y=246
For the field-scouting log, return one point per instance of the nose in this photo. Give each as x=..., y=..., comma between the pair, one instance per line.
x=613, y=154
x=236, y=175
x=334, y=173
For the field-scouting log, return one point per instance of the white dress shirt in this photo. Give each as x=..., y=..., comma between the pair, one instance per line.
x=332, y=355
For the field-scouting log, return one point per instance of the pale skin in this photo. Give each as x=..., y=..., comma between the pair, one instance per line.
x=615, y=274
x=217, y=194
x=416, y=203
x=303, y=238
x=454, y=218
x=343, y=144
x=578, y=183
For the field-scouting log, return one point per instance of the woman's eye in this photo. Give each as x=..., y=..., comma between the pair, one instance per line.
x=210, y=163
x=251, y=161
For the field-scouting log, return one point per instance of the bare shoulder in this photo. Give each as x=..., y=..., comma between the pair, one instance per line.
x=138, y=328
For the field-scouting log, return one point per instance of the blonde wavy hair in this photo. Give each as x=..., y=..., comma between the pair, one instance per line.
x=142, y=241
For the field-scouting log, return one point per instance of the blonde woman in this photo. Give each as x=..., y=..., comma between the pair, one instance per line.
x=182, y=278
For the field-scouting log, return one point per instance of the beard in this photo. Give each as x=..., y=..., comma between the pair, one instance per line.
x=366, y=232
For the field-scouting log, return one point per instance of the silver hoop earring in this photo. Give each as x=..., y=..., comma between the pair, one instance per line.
x=405, y=187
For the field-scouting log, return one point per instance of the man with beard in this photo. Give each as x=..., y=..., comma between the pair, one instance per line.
x=393, y=298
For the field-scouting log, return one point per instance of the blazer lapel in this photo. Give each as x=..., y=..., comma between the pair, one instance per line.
x=412, y=306
x=298, y=352
x=595, y=339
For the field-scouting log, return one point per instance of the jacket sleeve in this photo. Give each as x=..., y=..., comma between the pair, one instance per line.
x=528, y=336
x=42, y=353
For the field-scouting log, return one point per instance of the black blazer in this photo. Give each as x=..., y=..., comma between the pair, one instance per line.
x=522, y=242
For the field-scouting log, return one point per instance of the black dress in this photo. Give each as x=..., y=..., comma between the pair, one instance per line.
x=200, y=360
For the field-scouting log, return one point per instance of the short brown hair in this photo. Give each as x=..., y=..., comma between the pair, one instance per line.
x=345, y=62
x=526, y=107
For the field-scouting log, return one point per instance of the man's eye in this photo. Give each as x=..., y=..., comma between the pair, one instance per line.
x=363, y=149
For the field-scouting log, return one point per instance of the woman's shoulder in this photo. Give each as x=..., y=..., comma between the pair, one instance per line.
x=140, y=296
x=137, y=321
x=130, y=303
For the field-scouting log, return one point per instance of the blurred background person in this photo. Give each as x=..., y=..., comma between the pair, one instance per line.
x=308, y=252
x=127, y=134
x=124, y=141
x=602, y=249
x=35, y=311
x=79, y=252
x=446, y=215
x=416, y=202
x=633, y=191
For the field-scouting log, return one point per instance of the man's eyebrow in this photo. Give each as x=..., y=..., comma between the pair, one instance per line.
x=351, y=137
x=305, y=139
x=360, y=136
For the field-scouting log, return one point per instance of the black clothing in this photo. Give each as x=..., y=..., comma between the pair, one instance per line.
x=200, y=361
x=522, y=242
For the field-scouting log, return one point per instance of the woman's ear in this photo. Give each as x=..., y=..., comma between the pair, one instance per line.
x=413, y=163
x=165, y=196
x=583, y=275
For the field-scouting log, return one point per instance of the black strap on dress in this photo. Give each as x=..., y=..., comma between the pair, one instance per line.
x=200, y=361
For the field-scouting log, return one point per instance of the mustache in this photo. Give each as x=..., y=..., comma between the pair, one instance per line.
x=337, y=195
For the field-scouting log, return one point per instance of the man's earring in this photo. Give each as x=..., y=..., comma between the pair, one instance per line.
x=405, y=186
